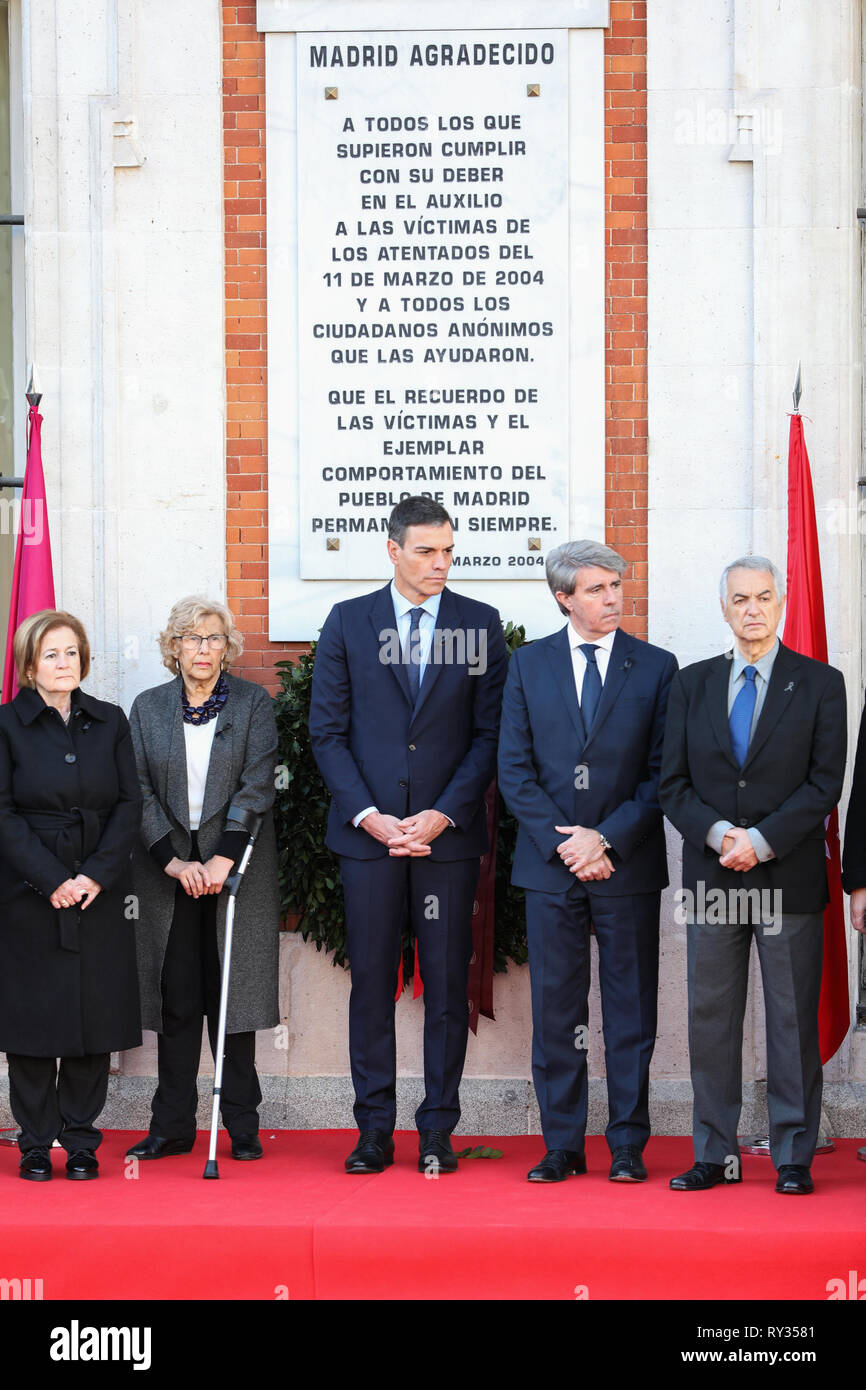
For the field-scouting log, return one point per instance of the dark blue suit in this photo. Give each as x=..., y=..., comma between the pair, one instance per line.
x=375, y=749
x=552, y=773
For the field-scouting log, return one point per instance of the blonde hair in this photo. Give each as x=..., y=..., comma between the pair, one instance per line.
x=29, y=636
x=186, y=614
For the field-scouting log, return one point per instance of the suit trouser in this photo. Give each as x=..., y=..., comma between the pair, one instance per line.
x=436, y=898
x=58, y=1102
x=627, y=932
x=191, y=990
x=790, y=952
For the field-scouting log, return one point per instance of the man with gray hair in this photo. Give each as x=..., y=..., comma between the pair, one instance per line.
x=579, y=758
x=754, y=759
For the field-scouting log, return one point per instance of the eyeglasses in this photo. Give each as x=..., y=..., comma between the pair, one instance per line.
x=194, y=643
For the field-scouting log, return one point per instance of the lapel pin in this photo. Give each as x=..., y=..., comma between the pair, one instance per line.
x=789, y=686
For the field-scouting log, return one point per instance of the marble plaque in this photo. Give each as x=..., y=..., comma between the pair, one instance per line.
x=433, y=294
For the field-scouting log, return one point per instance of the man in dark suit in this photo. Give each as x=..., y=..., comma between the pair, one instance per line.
x=754, y=759
x=579, y=756
x=854, y=852
x=407, y=688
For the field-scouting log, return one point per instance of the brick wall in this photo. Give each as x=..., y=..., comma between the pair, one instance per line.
x=246, y=324
x=246, y=342
x=626, y=303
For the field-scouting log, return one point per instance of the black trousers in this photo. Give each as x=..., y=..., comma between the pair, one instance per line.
x=58, y=1102
x=191, y=991
x=436, y=897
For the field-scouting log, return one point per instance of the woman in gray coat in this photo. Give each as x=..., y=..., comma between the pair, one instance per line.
x=206, y=747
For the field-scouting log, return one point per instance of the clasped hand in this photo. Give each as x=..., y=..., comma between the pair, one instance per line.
x=583, y=854
x=198, y=879
x=410, y=837
x=76, y=892
x=738, y=852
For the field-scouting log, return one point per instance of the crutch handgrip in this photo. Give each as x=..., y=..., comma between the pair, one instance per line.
x=252, y=823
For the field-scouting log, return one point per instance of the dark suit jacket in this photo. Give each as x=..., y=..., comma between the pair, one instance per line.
x=854, y=852
x=543, y=745
x=788, y=785
x=373, y=749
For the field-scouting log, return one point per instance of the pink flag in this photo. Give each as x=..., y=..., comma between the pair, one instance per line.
x=32, y=576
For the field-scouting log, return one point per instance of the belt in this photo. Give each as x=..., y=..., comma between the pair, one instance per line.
x=78, y=833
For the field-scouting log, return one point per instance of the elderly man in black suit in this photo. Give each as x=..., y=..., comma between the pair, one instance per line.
x=753, y=764
x=583, y=718
x=404, y=718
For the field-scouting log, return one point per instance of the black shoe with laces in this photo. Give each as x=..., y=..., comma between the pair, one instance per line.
x=627, y=1165
x=435, y=1154
x=373, y=1152
x=557, y=1165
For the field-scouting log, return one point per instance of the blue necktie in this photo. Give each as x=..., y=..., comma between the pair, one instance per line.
x=740, y=718
x=412, y=653
x=591, y=692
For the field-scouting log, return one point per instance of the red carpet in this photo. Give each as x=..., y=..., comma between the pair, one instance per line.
x=296, y=1225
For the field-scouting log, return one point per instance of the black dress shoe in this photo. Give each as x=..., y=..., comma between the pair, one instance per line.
x=435, y=1154
x=82, y=1165
x=794, y=1178
x=627, y=1164
x=35, y=1165
x=152, y=1146
x=373, y=1152
x=246, y=1146
x=556, y=1165
x=702, y=1176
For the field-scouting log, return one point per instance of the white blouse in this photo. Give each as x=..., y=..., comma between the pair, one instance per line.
x=199, y=741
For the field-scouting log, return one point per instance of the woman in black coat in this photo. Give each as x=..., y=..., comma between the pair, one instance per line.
x=70, y=808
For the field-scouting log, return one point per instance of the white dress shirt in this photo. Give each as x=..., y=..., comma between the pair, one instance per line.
x=604, y=647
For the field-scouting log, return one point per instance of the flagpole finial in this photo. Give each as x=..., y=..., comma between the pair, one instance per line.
x=34, y=395
x=798, y=390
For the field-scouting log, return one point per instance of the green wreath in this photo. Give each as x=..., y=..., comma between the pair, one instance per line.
x=309, y=873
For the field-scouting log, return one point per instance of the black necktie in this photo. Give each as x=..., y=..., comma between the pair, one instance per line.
x=591, y=692
x=412, y=653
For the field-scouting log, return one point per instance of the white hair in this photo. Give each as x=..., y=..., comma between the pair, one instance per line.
x=753, y=562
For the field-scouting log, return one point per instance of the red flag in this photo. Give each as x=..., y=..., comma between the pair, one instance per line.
x=806, y=633
x=32, y=576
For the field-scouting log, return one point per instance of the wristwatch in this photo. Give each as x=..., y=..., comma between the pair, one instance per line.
x=605, y=842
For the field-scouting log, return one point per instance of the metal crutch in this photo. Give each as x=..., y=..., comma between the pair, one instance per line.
x=252, y=823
